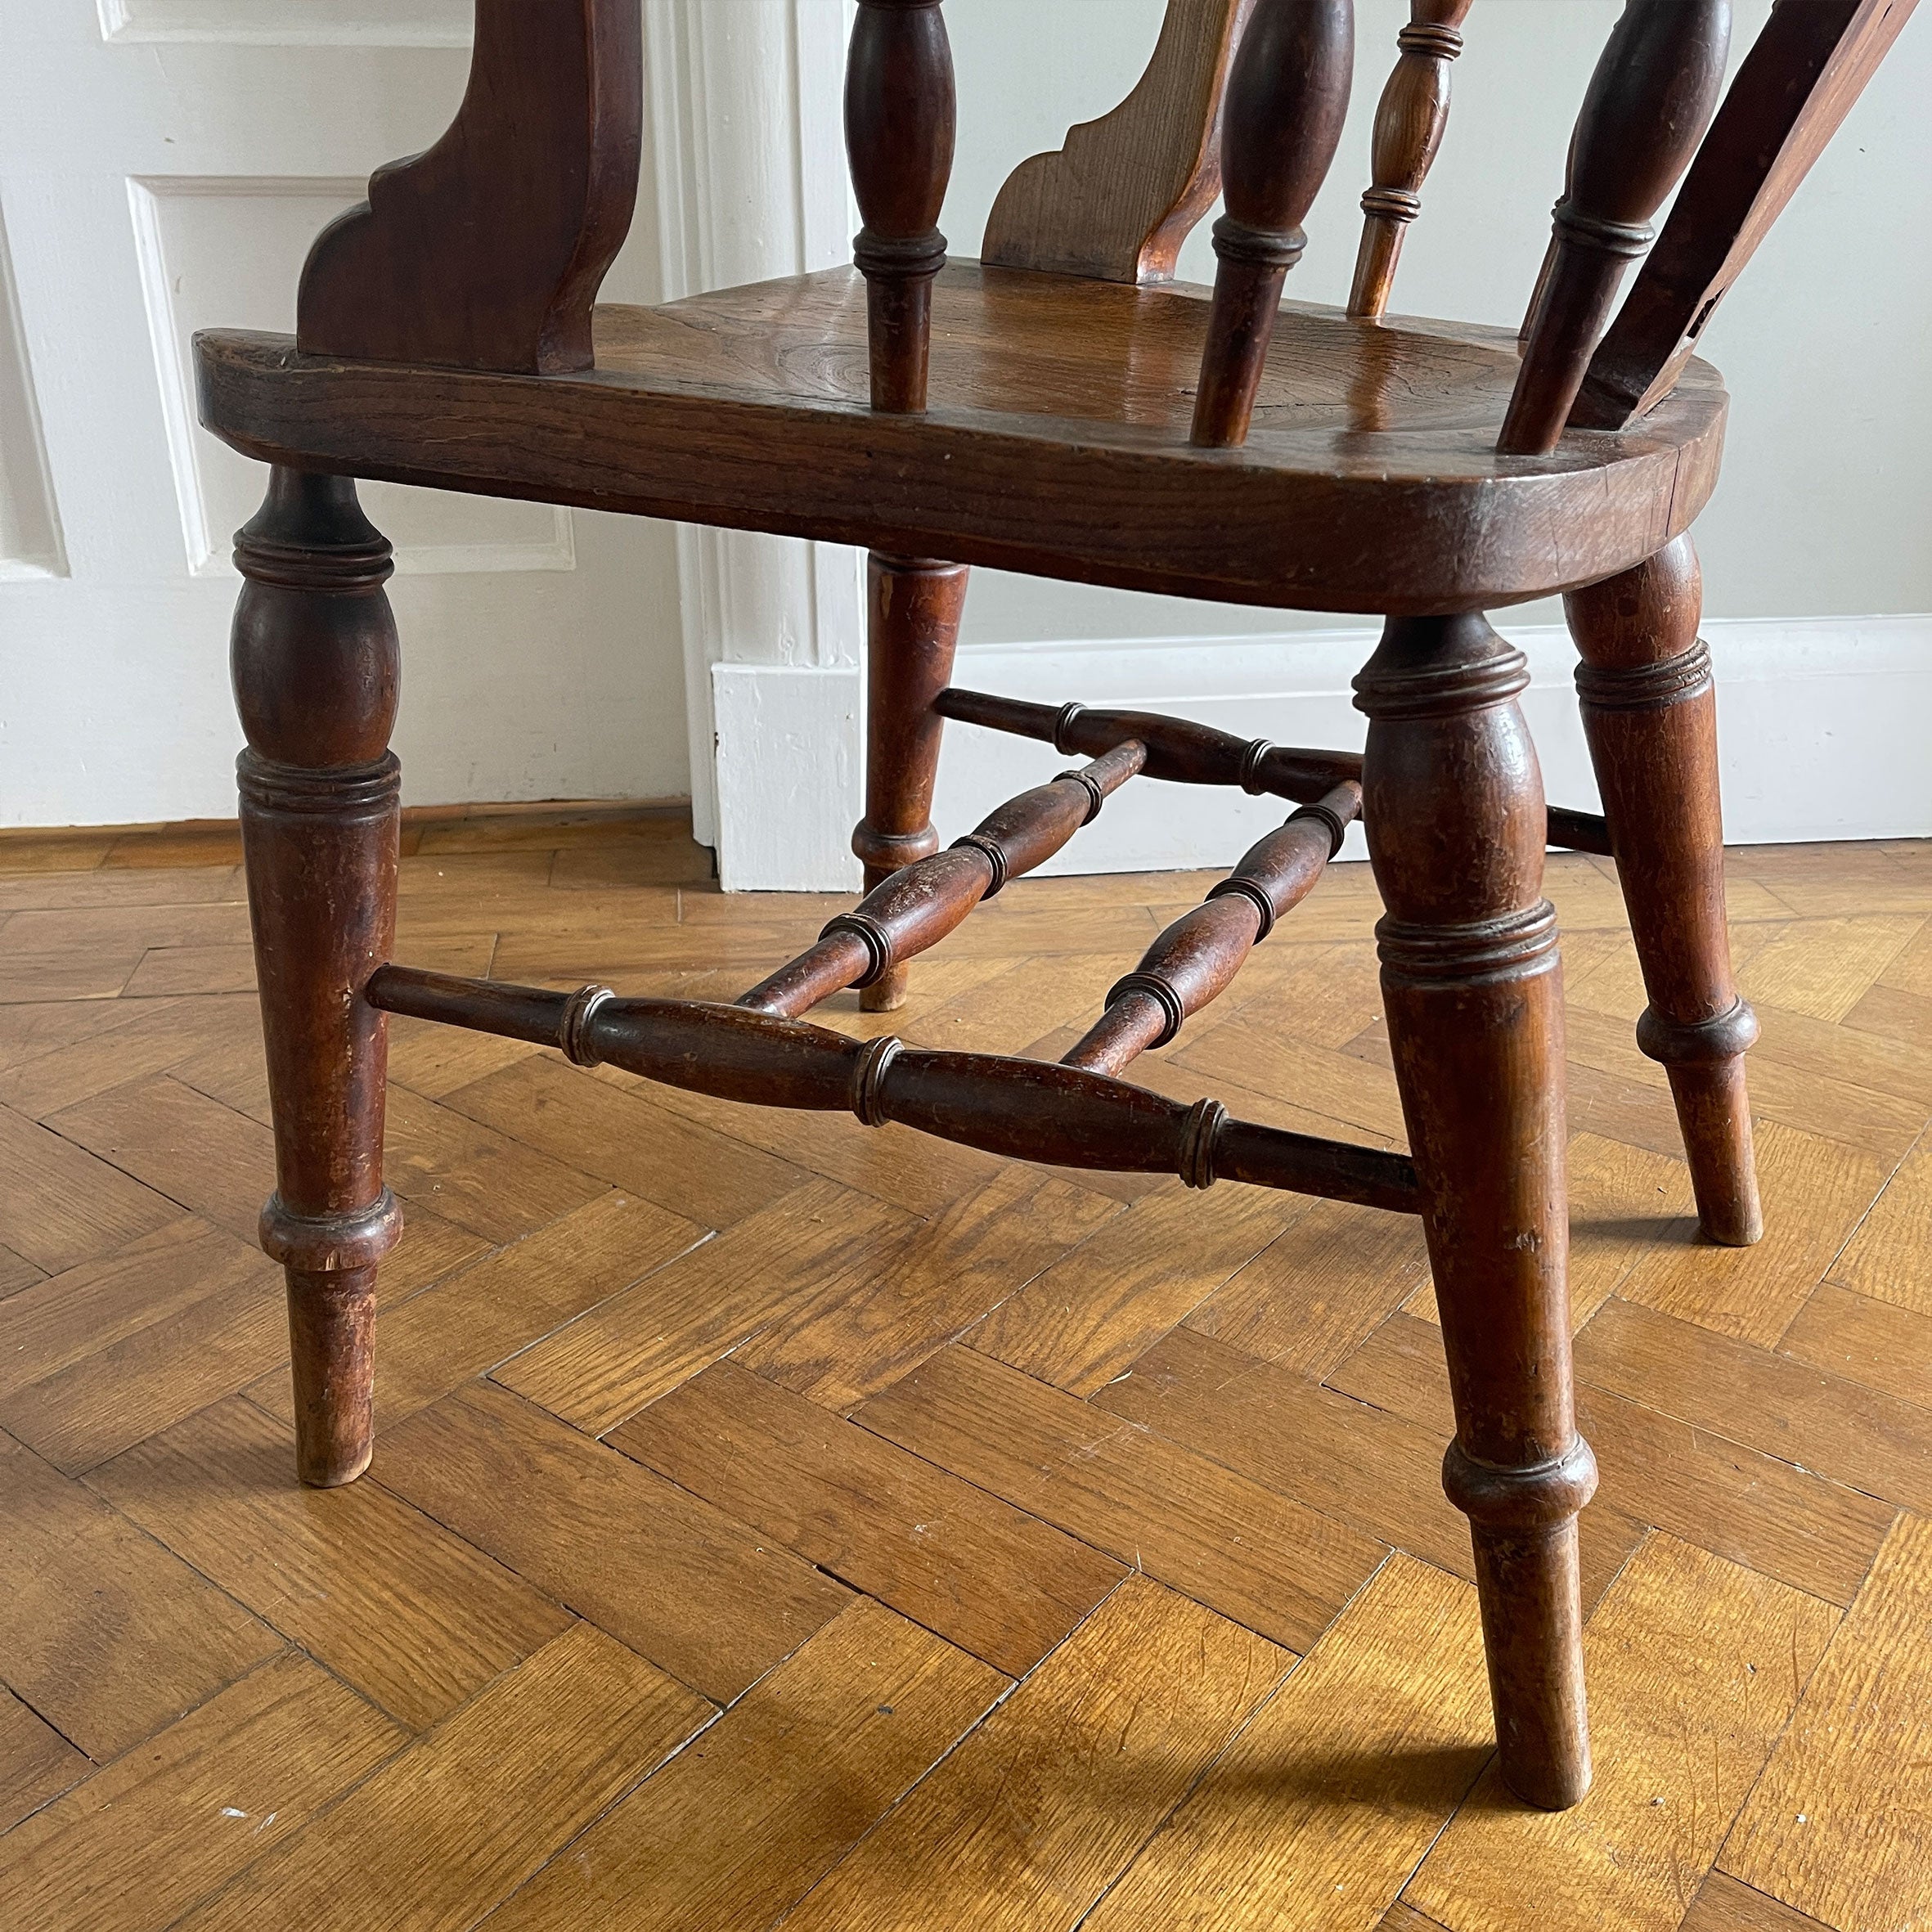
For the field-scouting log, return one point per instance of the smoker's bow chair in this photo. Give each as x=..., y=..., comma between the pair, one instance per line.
x=1060, y=407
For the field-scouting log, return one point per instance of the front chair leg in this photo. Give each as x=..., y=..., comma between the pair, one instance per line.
x=915, y=607
x=1650, y=712
x=315, y=668
x=1473, y=984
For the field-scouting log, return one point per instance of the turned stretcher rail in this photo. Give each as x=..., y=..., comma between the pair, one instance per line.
x=1195, y=958
x=1025, y=1109
x=1186, y=753
x=919, y=904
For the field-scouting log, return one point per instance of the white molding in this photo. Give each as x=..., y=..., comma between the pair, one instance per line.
x=31, y=545
x=749, y=166
x=289, y=23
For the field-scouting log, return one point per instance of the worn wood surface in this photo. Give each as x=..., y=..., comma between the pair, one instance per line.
x=1055, y=440
x=960, y=1384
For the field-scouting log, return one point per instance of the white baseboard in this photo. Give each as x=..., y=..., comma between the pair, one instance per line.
x=1822, y=727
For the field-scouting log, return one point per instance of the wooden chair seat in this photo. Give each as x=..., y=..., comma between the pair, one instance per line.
x=1055, y=440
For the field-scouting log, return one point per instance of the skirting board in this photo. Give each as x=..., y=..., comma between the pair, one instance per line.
x=1821, y=727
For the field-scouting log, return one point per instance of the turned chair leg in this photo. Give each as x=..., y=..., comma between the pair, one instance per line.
x=316, y=672
x=1650, y=712
x=914, y=626
x=1473, y=984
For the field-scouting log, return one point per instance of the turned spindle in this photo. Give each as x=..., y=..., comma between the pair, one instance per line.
x=1196, y=958
x=1281, y=124
x=898, y=121
x=1408, y=129
x=1649, y=102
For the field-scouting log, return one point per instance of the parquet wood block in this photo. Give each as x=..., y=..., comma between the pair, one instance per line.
x=1889, y=1258
x=446, y=1830
x=1005, y=1013
x=624, y=1139
x=1748, y=1507
x=413, y=1616
x=1897, y=1064
x=1837, y=1827
x=750, y=1815
x=1867, y=1341
x=159, y=1829
x=1325, y=1802
x=149, y=1036
x=1724, y=1905
x=997, y=1582
x=77, y=972
x=1815, y=1193
x=106, y=1635
x=1859, y=1436
x=820, y=1240
x=845, y=1343
x=1836, y=880
x=1090, y=1316
x=1278, y=1567
x=682, y=1583
x=481, y=1315
x=17, y=1272
x=62, y=1205
x=1252, y=1052
x=1823, y=967
x=1695, y=1667
x=36, y=1762
x=1035, y=1812
x=53, y=891
x=113, y=929
x=436, y=1061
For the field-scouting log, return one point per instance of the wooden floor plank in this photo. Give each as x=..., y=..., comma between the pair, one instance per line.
x=1040, y=1806
x=159, y=1829
x=1327, y=1800
x=820, y=1241
x=1694, y=1667
x=1090, y=1316
x=1837, y=1827
x=623, y=1137
x=682, y=1583
x=106, y=1635
x=1278, y=1567
x=466, y=1324
x=36, y=1763
x=413, y=1617
x=150, y=1036
x=1867, y=1341
x=749, y=1816
x=1859, y=1436
x=986, y=1577
x=843, y=1345
x=1823, y=967
x=1724, y=1905
x=1889, y=1258
x=444, y=1832
x=63, y=1206
x=1748, y=1507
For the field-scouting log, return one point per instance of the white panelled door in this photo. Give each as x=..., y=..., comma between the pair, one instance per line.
x=163, y=164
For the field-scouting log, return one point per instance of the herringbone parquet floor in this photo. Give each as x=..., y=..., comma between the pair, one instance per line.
x=773, y=1519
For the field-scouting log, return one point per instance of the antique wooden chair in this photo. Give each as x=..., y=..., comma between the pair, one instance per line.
x=1059, y=407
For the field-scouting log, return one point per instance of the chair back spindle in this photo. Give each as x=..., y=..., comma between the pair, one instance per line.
x=1286, y=97
x=1408, y=129
x=1792, y=93
x=1122, y=193
x=1649, y=103
x=898, y=125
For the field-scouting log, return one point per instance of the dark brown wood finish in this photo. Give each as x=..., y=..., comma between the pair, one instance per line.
x=1282, y=123
x=476, y=255
x=1650, y=100
x=914, y=609
x=1410, y=124
x=1473, y=989
x=899, y=126
x=1650, y=713
x=315, y=671
x=1801, y=78
x=1196, y=958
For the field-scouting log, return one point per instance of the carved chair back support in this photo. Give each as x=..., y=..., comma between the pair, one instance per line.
x=460, y=297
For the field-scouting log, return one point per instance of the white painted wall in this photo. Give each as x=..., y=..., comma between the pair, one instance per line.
x=162, y=162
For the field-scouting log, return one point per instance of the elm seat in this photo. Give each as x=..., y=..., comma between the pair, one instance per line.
x=1055, y=441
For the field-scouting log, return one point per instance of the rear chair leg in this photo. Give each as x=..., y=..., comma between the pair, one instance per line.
x=914, y=625
x=1473, y=984
x=315, y=667
x=1650, y=712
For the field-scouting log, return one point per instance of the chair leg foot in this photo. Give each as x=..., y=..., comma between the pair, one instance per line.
x=913, y=629
x=1650, y=713
x=1473, y=985
x=314, y=669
